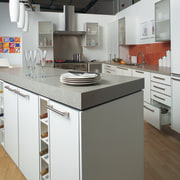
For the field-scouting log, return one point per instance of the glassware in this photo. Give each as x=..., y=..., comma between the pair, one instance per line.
x=43, y=54
x=27, y=62
x=33, y=55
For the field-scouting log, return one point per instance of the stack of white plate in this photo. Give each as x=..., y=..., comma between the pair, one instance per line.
x=80, y=78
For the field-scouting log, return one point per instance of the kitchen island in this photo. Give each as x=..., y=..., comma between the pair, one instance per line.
x=94, y=132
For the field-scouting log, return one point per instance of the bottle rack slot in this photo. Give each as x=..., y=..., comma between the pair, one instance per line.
x=1, y=114
x=44, y=139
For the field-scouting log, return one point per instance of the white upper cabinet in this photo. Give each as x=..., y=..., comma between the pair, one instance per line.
x=127, y=30
x=113, y=44
x=92, y=34
x=45, y=34
x=162, y=21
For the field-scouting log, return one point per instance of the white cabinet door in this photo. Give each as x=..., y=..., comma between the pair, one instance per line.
x=146, y=76
x=11, y=121
x=28, y=134
x=175, y=104
x=113, y=44
x=175, y=38
x=64, y=142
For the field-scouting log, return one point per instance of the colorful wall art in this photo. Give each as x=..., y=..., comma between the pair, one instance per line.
x=10, y=44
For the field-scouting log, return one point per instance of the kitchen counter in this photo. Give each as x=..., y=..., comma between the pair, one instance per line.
x=146, y=67
x=79, y=97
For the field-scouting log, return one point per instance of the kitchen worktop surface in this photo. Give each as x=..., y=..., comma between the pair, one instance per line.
x=146, y=67
x=79, y=97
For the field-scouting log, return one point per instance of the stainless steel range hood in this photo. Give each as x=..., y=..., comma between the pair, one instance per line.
x=70, y=23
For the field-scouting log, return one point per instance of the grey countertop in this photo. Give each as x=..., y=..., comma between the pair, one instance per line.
x=146, y=67
x=79, y=97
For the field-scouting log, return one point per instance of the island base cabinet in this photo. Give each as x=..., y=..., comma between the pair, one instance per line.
x=64, y=142
x=112, y=140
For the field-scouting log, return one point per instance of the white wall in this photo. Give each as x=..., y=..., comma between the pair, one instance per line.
x=9, y=29
x=31, y=37
x=143, y=11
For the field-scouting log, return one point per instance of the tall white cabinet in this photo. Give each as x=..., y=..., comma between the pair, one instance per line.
x=21, y=133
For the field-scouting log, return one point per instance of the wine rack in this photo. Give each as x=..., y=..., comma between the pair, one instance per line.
x=1, y=114
x=44, y=139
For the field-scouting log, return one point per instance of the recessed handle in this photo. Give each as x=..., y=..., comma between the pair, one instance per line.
x=66, y=114
x=156, y=77
x=159, y=97
x=175, y=79
x=122, y=68
x=140, y=72
x=159, y=88
x=149, y=109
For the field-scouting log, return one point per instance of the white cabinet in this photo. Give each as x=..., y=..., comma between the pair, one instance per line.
x=28, y=134
x=127, y=36
x=21, y=132
x=147, y=86
x=11, y=122
x=123, y=71
x=113, y=38
x=82, y=142
x=109, y=69
x=64, y=142
x=162, y=20
x=92, y=34
x=45, y=34
x=175, y=37
x=175, y=104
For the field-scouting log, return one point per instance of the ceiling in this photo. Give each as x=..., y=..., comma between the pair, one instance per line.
x=81, y=6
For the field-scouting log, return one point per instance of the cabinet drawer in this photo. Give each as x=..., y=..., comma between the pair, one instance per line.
x=161, y=78
x=165, y=89
x=161, y=98
x=152, y=115
x=123, y=71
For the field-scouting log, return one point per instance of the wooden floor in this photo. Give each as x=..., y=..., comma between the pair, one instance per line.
x=161, y=157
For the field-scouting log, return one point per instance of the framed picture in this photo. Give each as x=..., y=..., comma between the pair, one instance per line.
x=144, y=30
x=147, y=29
x=152, y=29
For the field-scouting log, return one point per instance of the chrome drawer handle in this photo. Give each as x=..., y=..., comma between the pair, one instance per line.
x=156, y=77
x=149, y=109
x=108, y=66
x=66, y=114
x=140, y=72
x=23, y=95
x=108, y=71
x=159, y=97
x=175, y=79
x=10, y=89
x=159, y=88
x=122, y=68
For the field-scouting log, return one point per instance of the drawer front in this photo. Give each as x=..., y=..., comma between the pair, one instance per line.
x=165, y=89
x=109, y=69
x=123, y=71
x=161, y=98
x=161, y=78
x=152, y=115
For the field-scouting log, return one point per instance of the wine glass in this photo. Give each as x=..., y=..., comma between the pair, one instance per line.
x=43, y=54
x=27, y=62
x=33, y=55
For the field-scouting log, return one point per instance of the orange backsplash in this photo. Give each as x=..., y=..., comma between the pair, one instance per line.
x=152, y=52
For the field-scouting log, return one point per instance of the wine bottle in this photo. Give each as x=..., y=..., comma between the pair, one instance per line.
x=44, y=115
x=45, y=134
x=45, y=171
x=45, y=151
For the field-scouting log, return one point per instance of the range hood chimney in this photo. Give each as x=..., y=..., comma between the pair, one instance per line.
x=69, y=18
x=70, y=22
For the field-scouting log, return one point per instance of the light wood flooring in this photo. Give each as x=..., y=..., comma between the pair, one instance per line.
x=161, y=157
